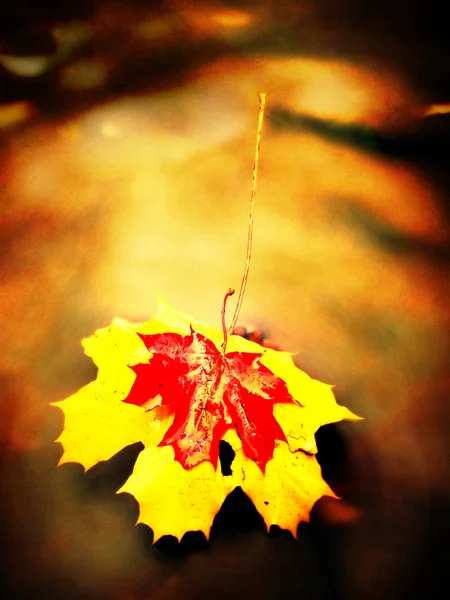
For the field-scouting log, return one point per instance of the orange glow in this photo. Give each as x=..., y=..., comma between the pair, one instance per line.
x=349, y=268
x=14, y=113
x=232, y=18
x=437, y=109
x=219, y=23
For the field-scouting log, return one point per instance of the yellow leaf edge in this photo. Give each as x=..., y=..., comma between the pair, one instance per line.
x=114, y=348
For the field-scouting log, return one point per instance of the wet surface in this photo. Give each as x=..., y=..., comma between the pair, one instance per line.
x=127, y=137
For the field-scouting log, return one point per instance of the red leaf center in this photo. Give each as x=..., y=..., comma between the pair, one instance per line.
x=209, y=393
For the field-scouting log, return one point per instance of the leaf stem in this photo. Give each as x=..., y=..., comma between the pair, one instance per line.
x=262, y=104
x=224, y=325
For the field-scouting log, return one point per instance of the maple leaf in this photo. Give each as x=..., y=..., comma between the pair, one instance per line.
x=168, y=384
x=209, y=392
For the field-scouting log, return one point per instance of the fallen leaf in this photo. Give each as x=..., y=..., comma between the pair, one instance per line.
x=168, y=384
x=209, y=393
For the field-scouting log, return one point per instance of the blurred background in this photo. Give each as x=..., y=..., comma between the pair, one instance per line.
x=127, y=134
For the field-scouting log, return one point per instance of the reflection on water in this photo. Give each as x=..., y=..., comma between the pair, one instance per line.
x=149, y=189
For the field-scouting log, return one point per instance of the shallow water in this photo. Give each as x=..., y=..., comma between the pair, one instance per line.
x=110, y=194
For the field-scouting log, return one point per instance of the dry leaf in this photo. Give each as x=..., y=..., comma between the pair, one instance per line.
x=168, y=384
